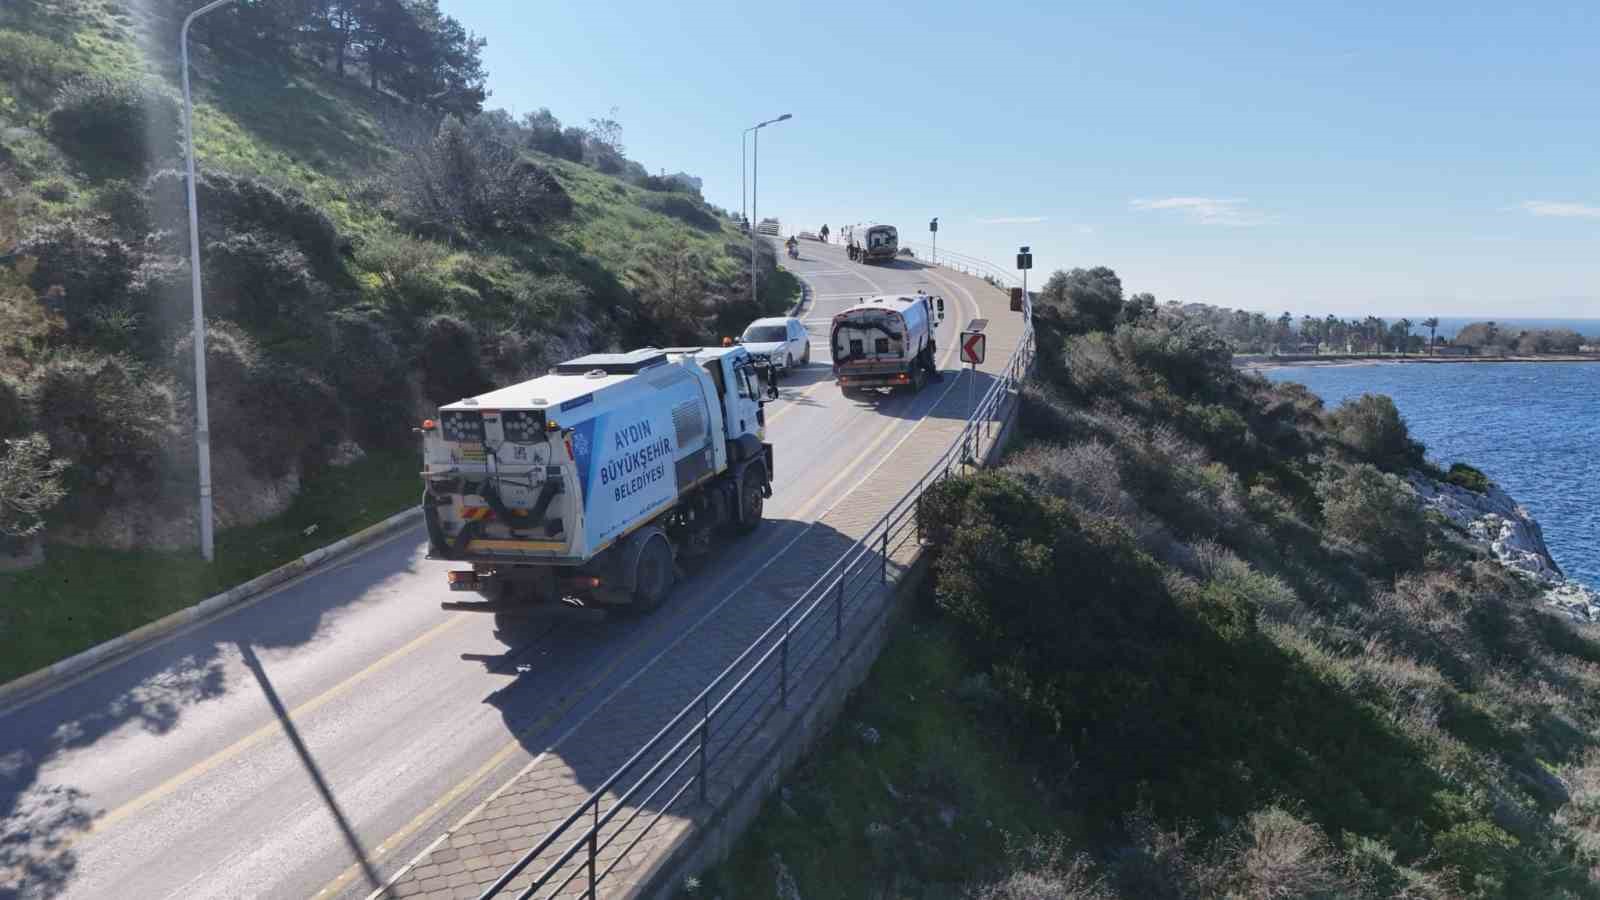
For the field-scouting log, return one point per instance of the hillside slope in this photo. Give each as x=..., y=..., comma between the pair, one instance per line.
x=363, y=258
x=1224, y=647
x=316, y=258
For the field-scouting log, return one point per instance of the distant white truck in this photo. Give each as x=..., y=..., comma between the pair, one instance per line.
x=886, y=341
x=872, y=243
x=586, y=485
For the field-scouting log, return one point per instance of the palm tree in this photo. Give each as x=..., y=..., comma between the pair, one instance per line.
x=1405, y=334
x=1432, y=324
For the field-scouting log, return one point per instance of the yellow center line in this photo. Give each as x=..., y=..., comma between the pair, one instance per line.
x=271, y=729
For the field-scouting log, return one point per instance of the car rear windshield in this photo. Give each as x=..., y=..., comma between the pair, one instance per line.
x=764, y=334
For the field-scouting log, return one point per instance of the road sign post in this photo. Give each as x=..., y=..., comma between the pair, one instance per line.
x=973, y=345
x=1025, y=262
x=933, y=229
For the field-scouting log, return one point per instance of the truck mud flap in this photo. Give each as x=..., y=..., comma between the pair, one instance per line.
x=439, y=546
x=747, y=447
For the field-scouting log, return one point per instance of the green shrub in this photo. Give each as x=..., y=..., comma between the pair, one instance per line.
x=116, y=127
x=1376, y=510
x=1045, y=869
x=238, y=203
x=1088, y=474
x=1463, y=475
x=32, y=64
x=1189, y=358
x=407, y=270
x=76, y=270
x=262, y=282
x=30, y=486
x=369, y=371
x=277, y=416
x=544, y=300
x=1276, y=854
x=685, y=209
x=1082, y=300
x=15, y=417
x=1371, y=428
x=1225, y=433
x=114, y=296
x=450, y=359
x=113, y=418
x=465, y=181
x=1045, y=596
x=55, y=190
x=125, y=204
x=1093, y=366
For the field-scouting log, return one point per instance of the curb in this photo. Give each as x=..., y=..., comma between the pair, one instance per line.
x=805, y=296
x=20, y=689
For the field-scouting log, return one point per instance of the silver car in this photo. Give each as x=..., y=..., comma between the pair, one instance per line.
x=781, y=339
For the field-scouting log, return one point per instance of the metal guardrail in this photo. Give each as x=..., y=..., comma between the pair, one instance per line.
x=967, y=265
x=717, y=723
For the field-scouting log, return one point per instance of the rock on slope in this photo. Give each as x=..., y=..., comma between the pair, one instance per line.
x=1497, y=522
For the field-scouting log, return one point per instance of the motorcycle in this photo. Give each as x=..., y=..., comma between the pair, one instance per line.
x=794, y=251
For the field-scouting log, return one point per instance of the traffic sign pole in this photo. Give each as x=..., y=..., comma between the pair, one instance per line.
x=1024, y=263
x=973, y=347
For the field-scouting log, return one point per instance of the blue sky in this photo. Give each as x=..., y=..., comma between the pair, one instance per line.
x=1435, y=159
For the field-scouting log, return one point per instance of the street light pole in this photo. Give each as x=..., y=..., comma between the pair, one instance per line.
x=755, y=162
x=202, y=418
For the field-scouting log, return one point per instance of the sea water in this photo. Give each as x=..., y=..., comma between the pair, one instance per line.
x=1534, y=428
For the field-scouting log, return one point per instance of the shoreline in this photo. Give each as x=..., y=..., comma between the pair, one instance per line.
x=1257, y=363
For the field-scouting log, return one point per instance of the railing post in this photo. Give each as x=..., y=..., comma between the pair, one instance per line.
x=886, y=554
x=594, y=849
x=705, y=728
x=839, y=610
x=922, y=482
x=783, y=655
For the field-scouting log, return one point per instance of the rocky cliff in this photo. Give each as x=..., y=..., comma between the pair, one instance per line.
x=1505, y=528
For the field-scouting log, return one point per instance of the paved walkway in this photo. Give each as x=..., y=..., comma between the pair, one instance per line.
x=476, y=851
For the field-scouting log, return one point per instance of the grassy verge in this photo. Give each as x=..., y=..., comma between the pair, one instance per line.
x=82, y=597
x=920, y=811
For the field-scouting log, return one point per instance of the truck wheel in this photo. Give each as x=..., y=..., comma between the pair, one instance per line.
x=751, y=501
x=805, y=356
x=652, y=574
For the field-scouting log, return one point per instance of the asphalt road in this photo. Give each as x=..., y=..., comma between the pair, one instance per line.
x=312, y=742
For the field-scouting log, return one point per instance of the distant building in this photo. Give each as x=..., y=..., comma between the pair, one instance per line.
x=1453, y=350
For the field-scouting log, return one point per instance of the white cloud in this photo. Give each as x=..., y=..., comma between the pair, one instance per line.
x=1561, y=209
x=1207, y=210
x=1013, y=220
